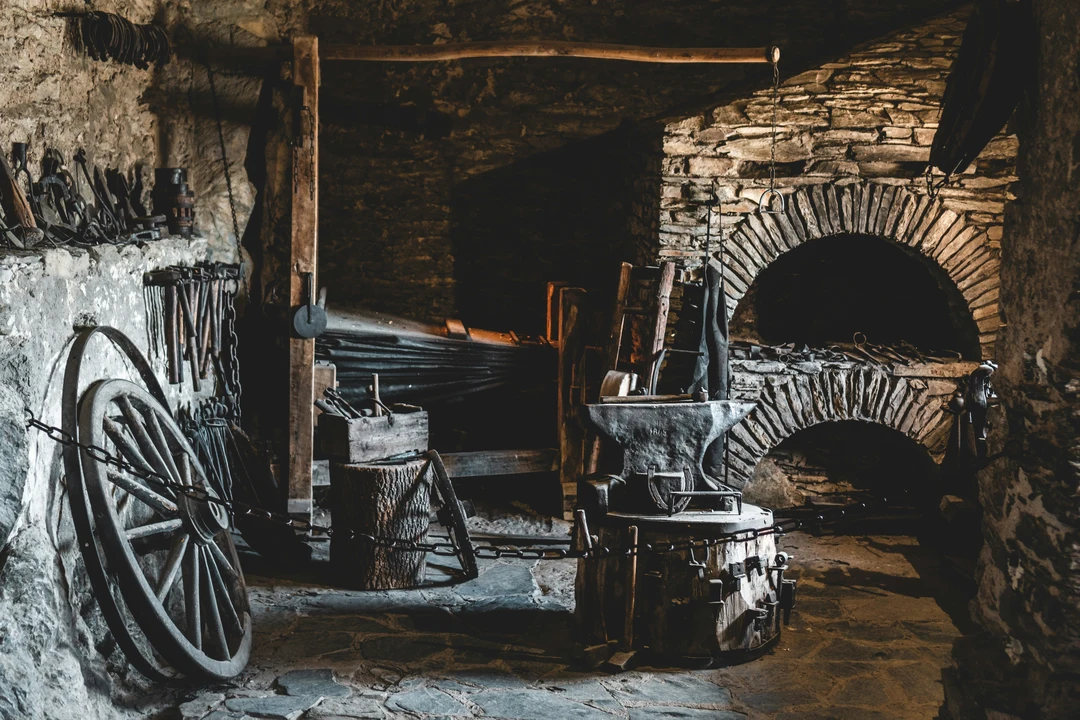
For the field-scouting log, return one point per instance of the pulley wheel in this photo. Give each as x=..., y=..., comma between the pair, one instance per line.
x=171, y=555
x=309, y=321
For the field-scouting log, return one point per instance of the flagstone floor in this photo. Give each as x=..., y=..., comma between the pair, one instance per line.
x=872, y=628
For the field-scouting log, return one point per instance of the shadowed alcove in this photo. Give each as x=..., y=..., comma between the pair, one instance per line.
x=825, y=291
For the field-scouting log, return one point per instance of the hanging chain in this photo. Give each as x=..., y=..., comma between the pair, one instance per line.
x=447, y=549
x=224, y=155
x=232, y=357
x=775, y=118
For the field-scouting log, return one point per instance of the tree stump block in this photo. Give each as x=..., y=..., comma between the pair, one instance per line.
x=389, y=501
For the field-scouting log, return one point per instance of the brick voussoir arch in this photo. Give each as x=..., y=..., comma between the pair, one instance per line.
x=790, y=402
x=915, y=220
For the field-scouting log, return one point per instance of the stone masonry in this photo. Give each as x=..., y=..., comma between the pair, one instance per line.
x=853, y=139
x=791, y=397
x=1028, y=664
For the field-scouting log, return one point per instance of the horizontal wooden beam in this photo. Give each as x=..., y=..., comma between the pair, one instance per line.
x=546, y=48
x=500, y=462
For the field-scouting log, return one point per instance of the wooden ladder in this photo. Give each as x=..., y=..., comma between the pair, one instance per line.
x=659, y=282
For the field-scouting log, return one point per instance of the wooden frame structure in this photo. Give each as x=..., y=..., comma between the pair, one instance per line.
x=306, y=58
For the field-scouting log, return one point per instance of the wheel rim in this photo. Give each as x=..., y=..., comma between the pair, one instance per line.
x=171, y=555
x=118, y=616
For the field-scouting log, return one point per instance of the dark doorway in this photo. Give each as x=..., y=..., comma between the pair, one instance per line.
x=826, y=290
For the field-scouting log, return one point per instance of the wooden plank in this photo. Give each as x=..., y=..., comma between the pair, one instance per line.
x=659, y=329
x=365, y=439
x=303, y=259
x=571, y=431
x=484, y=463
x=554, y=314
x=325, y=376
x=611, y=356
x=548, y=48
x=614, y=343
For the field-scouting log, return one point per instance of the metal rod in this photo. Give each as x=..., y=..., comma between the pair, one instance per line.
x=631, y=590
x=547, y=48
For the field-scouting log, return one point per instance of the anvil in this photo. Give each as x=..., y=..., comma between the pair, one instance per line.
x=666, y=437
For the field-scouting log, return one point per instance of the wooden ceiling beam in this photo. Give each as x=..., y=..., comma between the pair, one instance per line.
x=547, y=48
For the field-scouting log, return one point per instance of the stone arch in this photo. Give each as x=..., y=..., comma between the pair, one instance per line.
x=792, y=401
x=922, y=224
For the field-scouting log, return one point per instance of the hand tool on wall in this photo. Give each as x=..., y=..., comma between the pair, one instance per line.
x=13, y=201
x=195, y=302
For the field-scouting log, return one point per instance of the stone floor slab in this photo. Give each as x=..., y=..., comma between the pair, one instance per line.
x=428, y=701
x=534, y=705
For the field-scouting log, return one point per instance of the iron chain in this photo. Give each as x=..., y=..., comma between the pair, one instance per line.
x=775, y=109
x=437, y=548
x=232, y=356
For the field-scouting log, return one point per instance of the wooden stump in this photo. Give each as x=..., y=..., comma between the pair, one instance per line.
x=391, y=501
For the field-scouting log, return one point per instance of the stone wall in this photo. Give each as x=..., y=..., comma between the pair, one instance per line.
x=1028, y=662
x=911, y=399
x=431, y=171
x=53, y=96
x=56, y=658
x=853, y=140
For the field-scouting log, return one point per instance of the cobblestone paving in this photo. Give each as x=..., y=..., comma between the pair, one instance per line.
x=867, y=639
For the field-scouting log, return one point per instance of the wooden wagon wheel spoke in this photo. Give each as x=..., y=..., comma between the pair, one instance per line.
x=125, y=446
x=171, y=570
x=223, y=564
x=224, y=596
x=215, y=629
x=192, y=611
x=145, y=495
x=151, y=451
x=155, y=528
x=156, y=434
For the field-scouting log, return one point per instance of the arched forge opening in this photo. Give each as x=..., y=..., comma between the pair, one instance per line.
x=824, y=291
x=845, y=460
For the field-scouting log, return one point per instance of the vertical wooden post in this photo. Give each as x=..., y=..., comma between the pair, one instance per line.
x=659, y=329
x=611, y=357
x=303, y=259
x=554, y=315
x=571, y=430
x=627, y=643
x=618, y=318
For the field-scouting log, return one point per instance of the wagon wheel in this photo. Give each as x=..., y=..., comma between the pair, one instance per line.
x=453, y=517
x=171, y=554
x=130, y=639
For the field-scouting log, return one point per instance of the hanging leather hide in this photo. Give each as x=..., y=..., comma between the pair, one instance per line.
x=995, y=64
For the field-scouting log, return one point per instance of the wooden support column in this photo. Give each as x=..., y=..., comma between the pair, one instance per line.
x=303, y=260
x=659, y=329
x=571, y=430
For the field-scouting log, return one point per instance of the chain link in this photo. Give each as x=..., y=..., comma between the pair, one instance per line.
x=775, y=108
x=232, y=357
x=224, y=154
x=446, y=549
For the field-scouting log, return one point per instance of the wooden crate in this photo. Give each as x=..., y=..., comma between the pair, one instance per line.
x=359, y=440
